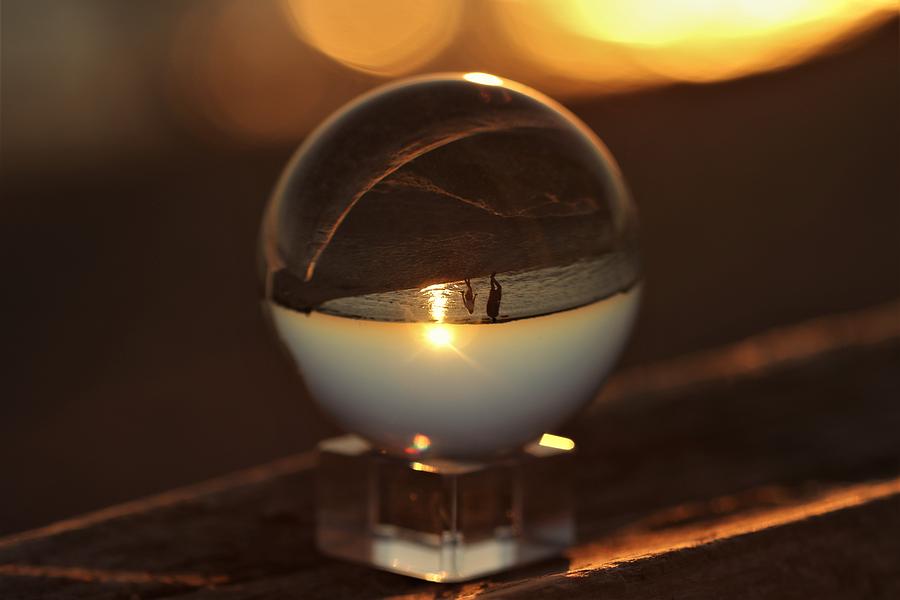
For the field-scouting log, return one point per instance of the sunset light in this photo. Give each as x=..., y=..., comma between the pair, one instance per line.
x=558, y=442
x=437, y=296
x=439, y=335
x=420, y=443
x=388, y=38
x=566, y=48
x=483, y=78
x=630, y=44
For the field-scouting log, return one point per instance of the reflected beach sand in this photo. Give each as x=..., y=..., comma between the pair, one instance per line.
x=525, y=293
x=469, y=389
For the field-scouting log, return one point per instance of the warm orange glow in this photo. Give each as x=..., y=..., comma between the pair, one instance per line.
x=647, y=538
x=548, y=440
x=437, y=296
x=265, y=71
x=439, y=336
x=417, y=466
x=483, y=78
x=235, y=64
x=640, y=41
x=89, y=575
x=388, y=37
x=420, y=443
x=665, y=22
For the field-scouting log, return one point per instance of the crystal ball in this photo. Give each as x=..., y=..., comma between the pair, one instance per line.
x=452, y=263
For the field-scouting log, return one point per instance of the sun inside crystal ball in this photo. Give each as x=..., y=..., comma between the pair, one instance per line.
x=452, y=262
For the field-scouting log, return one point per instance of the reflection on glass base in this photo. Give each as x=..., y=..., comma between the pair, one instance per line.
x=443, y=520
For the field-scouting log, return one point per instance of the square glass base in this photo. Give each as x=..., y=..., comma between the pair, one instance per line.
x=442, y=520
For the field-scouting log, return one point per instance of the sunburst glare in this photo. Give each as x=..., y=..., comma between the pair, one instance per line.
x=439, y=336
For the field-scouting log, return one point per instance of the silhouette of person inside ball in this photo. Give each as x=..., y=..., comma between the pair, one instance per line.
x=493, y=303
x=469, y=296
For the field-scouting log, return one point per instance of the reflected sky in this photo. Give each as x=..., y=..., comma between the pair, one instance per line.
x=468, y=390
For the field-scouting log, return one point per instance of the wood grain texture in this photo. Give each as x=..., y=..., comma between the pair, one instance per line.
x=780, y=480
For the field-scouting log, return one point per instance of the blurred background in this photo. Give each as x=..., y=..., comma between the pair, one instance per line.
x=139, y=143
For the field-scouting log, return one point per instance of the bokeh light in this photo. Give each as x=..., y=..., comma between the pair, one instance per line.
x=237, y=63
x=387, y=38
x=420, y=443
x=270, y=70
x=626, y=44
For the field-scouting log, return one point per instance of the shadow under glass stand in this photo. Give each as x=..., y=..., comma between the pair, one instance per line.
x=442, y=520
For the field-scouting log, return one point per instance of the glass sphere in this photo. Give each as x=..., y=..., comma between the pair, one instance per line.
x=452, y=262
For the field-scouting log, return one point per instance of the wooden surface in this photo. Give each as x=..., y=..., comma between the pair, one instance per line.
x=770, y=468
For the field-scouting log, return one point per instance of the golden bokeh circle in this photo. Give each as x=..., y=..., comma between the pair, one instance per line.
x=628, y=44
x=386, y=38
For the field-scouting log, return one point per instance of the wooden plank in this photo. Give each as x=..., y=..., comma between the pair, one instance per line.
x=849, y=552
x=841, y=545
x=729, y=486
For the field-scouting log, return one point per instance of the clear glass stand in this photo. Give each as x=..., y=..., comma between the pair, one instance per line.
x=442, y=520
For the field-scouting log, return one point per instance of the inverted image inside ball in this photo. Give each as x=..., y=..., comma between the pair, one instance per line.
x=452, y=258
